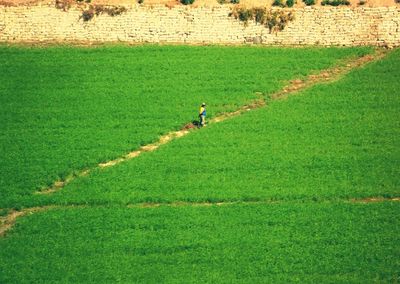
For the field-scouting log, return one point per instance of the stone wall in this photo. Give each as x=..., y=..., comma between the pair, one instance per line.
x=183, y=24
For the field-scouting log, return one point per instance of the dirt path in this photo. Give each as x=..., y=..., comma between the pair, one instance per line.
x=294, y=86
x=7, y=222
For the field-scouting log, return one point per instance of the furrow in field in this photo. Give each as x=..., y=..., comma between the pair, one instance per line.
x=7, y=222
x=294, y=86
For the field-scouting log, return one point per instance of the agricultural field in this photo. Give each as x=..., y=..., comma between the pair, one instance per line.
x=289, y=242
x=66, y=109
x=302, y=189
x=332, y=141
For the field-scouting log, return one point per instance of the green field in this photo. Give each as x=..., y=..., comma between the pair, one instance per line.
x=282, y=243
x=287, y=173
x=333, y=141
x=65, y=109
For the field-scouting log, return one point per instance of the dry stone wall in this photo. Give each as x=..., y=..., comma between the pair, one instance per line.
x=183, y=24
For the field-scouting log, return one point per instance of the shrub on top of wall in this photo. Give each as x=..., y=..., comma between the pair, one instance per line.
x=278, y=3
x=187, y=2
x=335, y=2
x=228, y=1
x=87, y=15
x=290, y=3
x=243, y=14
x=97, y=10
x=275, y=20
x=309, y=2
x=259, y=15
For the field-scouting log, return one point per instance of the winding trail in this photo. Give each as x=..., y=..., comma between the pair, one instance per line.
x=292, y=88
x=9, y=220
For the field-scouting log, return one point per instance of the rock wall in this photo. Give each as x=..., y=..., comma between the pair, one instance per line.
x=184, y=24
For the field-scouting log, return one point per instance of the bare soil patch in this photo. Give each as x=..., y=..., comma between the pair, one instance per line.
x=375, y=199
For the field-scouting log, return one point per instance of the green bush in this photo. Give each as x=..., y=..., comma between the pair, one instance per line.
x=259, y=15
x=277, y=20
x=274, y=20
x=309, y=2
x=335, y=2
x=278, y=3
x=228, y=1
x=243, y=14
x=96, y=10
x=87, y=15
x=290, y=3
x=187, y=2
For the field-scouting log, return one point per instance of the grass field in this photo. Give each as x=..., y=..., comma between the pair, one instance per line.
x=309, y=242
x=333, y=141
x=64, y=109
x=287, y=174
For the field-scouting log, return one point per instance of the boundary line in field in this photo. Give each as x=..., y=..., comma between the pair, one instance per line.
x=8, y=221
x=328, y=75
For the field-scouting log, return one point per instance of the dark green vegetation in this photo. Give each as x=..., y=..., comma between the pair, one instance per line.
x=335, y=2
x=311, y=154
x=309, y=2
x=280, y=3
x=187, y=2
x=64, y=109
x=274, y=20
x=313, y=243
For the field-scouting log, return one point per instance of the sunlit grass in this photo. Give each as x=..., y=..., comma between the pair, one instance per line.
x=63, y=109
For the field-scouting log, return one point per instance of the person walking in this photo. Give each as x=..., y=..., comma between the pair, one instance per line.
x=202, y=115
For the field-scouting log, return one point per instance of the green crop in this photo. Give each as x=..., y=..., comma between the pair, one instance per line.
x=63, y=109
x=292, y=167
x=340, y=140
x=276, y=243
